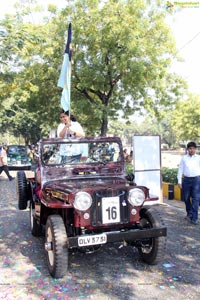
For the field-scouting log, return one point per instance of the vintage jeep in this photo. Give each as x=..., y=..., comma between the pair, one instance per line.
x=80, y=194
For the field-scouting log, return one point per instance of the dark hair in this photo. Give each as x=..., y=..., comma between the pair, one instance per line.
x=191, y=144
x=65, y=112
x=72, y=117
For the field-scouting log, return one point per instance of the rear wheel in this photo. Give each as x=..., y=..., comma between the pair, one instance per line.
x=56, y=246
x=22, y=190
x=153, y=249
x=36, y=229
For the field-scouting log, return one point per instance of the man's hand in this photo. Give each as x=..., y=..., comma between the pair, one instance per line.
x=180, y=185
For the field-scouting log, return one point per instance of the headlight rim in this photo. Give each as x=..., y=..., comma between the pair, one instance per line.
x=79, y=194
x=136, y=203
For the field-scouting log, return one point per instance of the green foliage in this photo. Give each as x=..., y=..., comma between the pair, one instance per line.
x=17, y=121
x=30, y=99
x=147, y=125
x=185, y=119
x=129, y=168
x=121, y=56
x=170, y=175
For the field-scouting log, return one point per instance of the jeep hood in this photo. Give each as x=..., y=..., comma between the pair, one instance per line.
x=78, y=174
x=90, y=184
x=76, y=177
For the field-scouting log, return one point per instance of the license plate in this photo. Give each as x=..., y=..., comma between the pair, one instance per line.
x=110, y=210
x=90, y=240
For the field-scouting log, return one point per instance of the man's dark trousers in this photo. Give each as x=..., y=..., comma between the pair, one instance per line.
x=191, y=196
x=6, y=170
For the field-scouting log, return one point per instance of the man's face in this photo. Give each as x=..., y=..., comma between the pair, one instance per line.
x=191, y=150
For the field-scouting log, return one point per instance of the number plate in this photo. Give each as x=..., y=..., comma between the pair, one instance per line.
x=90, y=240
x=110, y=210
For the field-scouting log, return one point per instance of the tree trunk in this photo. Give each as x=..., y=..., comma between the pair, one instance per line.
x=104, y=124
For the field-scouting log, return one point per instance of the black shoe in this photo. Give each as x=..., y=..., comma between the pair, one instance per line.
x=187, y=218
x=11, y=178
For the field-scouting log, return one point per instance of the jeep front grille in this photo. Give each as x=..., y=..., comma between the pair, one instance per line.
x=96, y=209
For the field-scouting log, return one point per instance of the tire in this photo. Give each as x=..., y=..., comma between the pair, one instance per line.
x=22, y=190
x=36, y=229
x=56, y=246
x=153, y=250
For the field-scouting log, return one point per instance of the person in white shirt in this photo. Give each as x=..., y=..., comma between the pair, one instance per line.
x=69, y=128
x=189, y=182
x=4, y=162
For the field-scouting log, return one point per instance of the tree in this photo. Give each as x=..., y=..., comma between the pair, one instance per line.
x=122, y=51
x=185, y=119
x=149, y=125
x=28, y=82
x=121, y=59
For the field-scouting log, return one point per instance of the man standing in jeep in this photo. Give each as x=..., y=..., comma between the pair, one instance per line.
x=69, y=126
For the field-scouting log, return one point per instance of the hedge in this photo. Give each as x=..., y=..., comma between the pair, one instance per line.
x=170, y=175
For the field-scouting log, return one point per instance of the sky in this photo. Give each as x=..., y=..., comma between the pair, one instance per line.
x=7, y=6
x=185, y=25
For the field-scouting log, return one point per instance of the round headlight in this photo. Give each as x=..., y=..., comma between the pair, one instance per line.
x=136, y=197
x=82, y=201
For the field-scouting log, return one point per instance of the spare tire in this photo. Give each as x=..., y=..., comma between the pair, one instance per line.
x=22, y=191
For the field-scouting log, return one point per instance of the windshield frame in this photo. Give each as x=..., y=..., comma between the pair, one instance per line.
x=107, y=151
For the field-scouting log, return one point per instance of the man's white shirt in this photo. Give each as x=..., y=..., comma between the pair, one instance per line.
x=74, y=126
x=70, y=149
x=189, y=166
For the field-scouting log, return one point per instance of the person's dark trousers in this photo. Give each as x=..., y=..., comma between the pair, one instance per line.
x=6, y=170
x=191, y=196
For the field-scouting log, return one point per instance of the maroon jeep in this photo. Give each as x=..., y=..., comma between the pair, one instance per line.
x=82, y=197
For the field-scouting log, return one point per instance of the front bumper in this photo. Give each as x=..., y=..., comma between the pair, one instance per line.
x=129, y=236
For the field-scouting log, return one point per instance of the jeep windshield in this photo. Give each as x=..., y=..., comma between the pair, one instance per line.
x=80, y=152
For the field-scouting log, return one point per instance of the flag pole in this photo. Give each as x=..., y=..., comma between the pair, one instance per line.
x=65, y=75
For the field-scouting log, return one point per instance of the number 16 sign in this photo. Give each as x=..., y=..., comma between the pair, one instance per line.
x=110, y=210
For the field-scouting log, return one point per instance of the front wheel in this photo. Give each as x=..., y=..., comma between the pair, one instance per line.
x=56, y=246
x=153, y=249
x=22, y=190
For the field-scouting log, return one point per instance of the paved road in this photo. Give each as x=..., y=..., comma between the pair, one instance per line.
x=113, y=273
